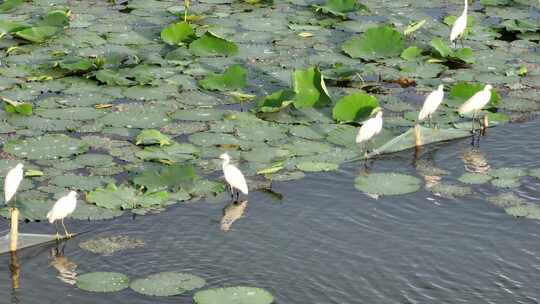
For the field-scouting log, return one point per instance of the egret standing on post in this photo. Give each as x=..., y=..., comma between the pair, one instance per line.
x=61, y=209
x=370, y=128
x=476, y=102
x=458, y=28
x=233, y=176
x=12, y=182
x=432, y=102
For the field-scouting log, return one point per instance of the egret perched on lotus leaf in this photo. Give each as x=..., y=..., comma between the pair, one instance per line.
x=476, y=102
x=233, y=176
x=432, y=102
x=12, y=182
x=459, y=26
x=63, y=207
x=370, y=127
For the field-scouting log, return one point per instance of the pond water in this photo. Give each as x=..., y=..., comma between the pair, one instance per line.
x=325, y=242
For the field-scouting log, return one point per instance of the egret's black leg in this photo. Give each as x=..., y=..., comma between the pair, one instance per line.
x=232, y=191
x=56, y=226
x=237, y=195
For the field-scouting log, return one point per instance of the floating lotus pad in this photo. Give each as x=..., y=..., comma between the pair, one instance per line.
x=506, y=200
x=102, y=281
x=376, y=42
x=46, y=147
x=152, y=137
x=450, y=191
x=234, y=295
x=387, y=183
x=111, y=244
x=317, y=166
x=530, y=211
x=474, y=178
x=166, y=284
x=505, y=182
x=507, y=173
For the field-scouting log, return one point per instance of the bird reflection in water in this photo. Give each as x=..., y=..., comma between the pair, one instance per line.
x=475, y=161
x=15, y=270
x=231, y=213
x=66, y=268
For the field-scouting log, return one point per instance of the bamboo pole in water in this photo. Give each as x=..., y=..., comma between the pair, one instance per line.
x=485, y=124
x=14, y=233
x=15, y=268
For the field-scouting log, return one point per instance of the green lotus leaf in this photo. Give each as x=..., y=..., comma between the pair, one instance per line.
x=110, y=244
x=234, y=295
x=7, y=27
x=387, y=183
x=176, y=152
x=507, y=172
x=22, y=108
x=167, y=177
x=178, y=33
x=530, y=211
x=31, y=209
x=306, y=132
x=411, y=53
x=9, y=5
x=208, y=139
x=463, y=91
x=80, y=182
x=77, y=64
x=357, y=106
x=37, y=34
x=317, y=166
x=45, y=147
x=261, y=132
x=310, y=89
x=522, y=26
x=199, y=114
x=265, y=154
x=286, y=176
x=376, y=42
x=275, y=101
x=75, y=113
x=474, y=178
x=444, y=51
x=167, y=284
x=111, y=77
x=506, y=200
x=152, y=137
x=125, y=197
x=535, y=172
x=450, y=191
x=102, y=281
x=505, y=182
x=212, y=45
x=135, y=116
x=89, y=212
x=58, y=18
x=234, y=78
x=340, y=7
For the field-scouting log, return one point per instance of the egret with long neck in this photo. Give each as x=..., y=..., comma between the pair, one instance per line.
x=233, y=176
x=458, y=28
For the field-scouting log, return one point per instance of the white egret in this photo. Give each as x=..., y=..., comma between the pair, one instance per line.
x=458, y=28
x=233, y=176
x=476, y=102
x=63, y=207
x=432, y=102
x=12, y=182
x=370, y=127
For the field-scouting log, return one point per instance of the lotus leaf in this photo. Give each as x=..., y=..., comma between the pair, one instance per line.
x=506, y=200
x=317, y=166
x=474, y=178
x=234, y=295
x=134, y=116
x=46, y=147
x=234, y=78
x=166, y=284
x=208, y=139
x=530, y=211
x=199, y=114
x=286, y=176
x=111, y=244
x=9, y=5
x=411, y=53
x=178, y=33
x=340, y=7
x=376, y=42
x=74, y=113
x=168, y=177
x=102, y=281
x=505, y=182
x=152, y=137
x=30, y=209
x=212, y=45
x=176, y=152
x=450, y=191
x=463, y=91
x=309, y=88
x=37, y=34
x=89, y=212
x=11, y=26
x=507, y=172
x=111, y=77
x=262, y=132
x=22, y=108
x=275, y=101
x=535, y=173
x=80, y=182
x=387, y=183
x=125, y=197
x=354, y=107
x=444, y=51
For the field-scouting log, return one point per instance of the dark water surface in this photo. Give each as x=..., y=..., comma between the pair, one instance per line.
x=325, y=242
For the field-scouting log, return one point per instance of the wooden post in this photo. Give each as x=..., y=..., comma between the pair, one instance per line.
x=485, y=124
x=417, y=141
x=14, y=233
x=15, y=269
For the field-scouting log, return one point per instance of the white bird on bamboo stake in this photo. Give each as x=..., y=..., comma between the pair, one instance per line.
x=12, y=182
x=63, y=207
x=431, y=103
x=459, y=26
x=370, y=128
x=476, y=102
x=233, y=176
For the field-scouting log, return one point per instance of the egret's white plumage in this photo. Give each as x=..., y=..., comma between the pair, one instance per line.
x=370, y=128
x=63, y=207
x=432, y=102
x=477, y=101
x=458, y=28
x=12, y=182
x=233, y=175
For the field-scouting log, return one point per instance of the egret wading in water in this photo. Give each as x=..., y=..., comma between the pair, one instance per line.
x=370, y=128
x=476, y=103
x=432, y=102
x=233, y=176
x=63, y=207
x=12, y=182
x=459, y=26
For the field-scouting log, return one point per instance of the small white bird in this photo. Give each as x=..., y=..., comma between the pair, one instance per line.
x=432, y=102
x=370, y=127
x=458, y=28
x=63, y=207
x=12, y=182
x=476, y=102
x=233, y=176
